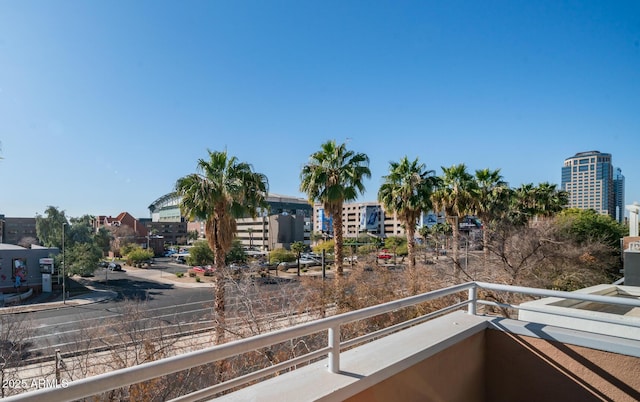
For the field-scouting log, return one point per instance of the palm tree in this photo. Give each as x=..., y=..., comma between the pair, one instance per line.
x=549, y=200
x=333, y=176
x=406, y=191
x=223, y=190
x=491, y=190
x=523, y=204
x=441, y=232
x=298, y=248
x=531, y=201
x=456, y=197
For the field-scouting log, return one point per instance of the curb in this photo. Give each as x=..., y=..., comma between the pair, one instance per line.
x=96, y=296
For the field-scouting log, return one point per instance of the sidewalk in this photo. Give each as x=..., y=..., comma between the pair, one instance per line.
x=96, y=292
x=50, y=301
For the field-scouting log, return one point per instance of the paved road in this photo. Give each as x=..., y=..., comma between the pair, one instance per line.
x=55, y=325
x=177, y=306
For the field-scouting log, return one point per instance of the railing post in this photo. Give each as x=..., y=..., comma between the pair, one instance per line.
x=334, y=345
x=472, y=300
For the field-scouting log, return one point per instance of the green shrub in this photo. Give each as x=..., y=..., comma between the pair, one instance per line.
x=179, y=274
x=137, y=256
x=192, y=274
x=200, y=254
x=327, y=245
x=281, y=255
x=367, y=249
x=198, y=279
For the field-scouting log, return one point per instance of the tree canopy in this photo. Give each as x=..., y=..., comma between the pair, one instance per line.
x=406, y=191
x=332, y=176
x=586, y=225
x=222, y=190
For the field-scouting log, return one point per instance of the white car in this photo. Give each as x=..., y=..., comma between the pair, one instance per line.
x=114, y=267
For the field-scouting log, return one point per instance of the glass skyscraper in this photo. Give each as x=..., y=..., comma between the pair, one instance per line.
x=618, y=189
x=589, y=179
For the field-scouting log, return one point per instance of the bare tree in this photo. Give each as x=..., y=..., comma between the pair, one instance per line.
x=14, y=330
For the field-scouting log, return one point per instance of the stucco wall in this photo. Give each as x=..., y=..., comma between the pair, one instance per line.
x=499, y=366
x=519, y=368
x=455, y=374
x=32, y=259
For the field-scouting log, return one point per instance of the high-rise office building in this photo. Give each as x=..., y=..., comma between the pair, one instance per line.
x=618, y=189
x=588, y=177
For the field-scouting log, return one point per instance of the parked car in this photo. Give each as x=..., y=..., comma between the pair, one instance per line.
x=287, y=265
x=311, y=256
x=114, y=267
x=181, y=260
x=206, y=270
x=385, y=255
x=103, y=264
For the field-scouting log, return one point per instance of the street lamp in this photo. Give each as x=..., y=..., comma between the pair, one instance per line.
x=64, y=288
x=250, y=230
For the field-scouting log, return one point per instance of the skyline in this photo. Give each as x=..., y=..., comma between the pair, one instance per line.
x=103, y=106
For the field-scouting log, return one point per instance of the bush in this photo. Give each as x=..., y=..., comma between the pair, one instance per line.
x=328, y=246
x=198, y=279
x=179, y=274
x=200, y=254
x=137, y=256
x=367, y=249
x=192, y=274
x=281, y=255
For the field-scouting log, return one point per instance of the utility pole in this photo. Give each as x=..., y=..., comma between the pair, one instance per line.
x=64, y=288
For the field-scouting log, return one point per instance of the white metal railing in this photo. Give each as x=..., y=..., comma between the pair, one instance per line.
x=131, y=375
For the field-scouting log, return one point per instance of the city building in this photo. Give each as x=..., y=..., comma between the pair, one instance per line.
x=285, y=221
x=17, y=231
x=618, y=189
x=588, y=177
x=368, y=218
x=166, y=209
x=126, y=226
x=172, y=233
x=25, y=264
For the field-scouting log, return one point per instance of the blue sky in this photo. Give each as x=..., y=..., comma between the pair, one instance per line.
x=104, y=105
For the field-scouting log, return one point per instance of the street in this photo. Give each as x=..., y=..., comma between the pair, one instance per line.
x=145, y=299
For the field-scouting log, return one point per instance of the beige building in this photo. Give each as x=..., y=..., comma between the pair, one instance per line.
x=287, y=220
x=361, y=218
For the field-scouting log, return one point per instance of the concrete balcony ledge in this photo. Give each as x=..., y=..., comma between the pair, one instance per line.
x=365, y=366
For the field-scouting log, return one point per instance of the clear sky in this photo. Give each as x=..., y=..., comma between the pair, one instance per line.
x=105, y=104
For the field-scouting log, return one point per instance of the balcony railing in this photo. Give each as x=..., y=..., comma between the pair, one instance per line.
x=117, y=379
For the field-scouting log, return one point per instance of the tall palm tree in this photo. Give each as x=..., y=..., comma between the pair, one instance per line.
x=406, y=191
x=491, y=190
x=223, y=190
x=456, y=196
x=333, y=176
x=549, y=199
